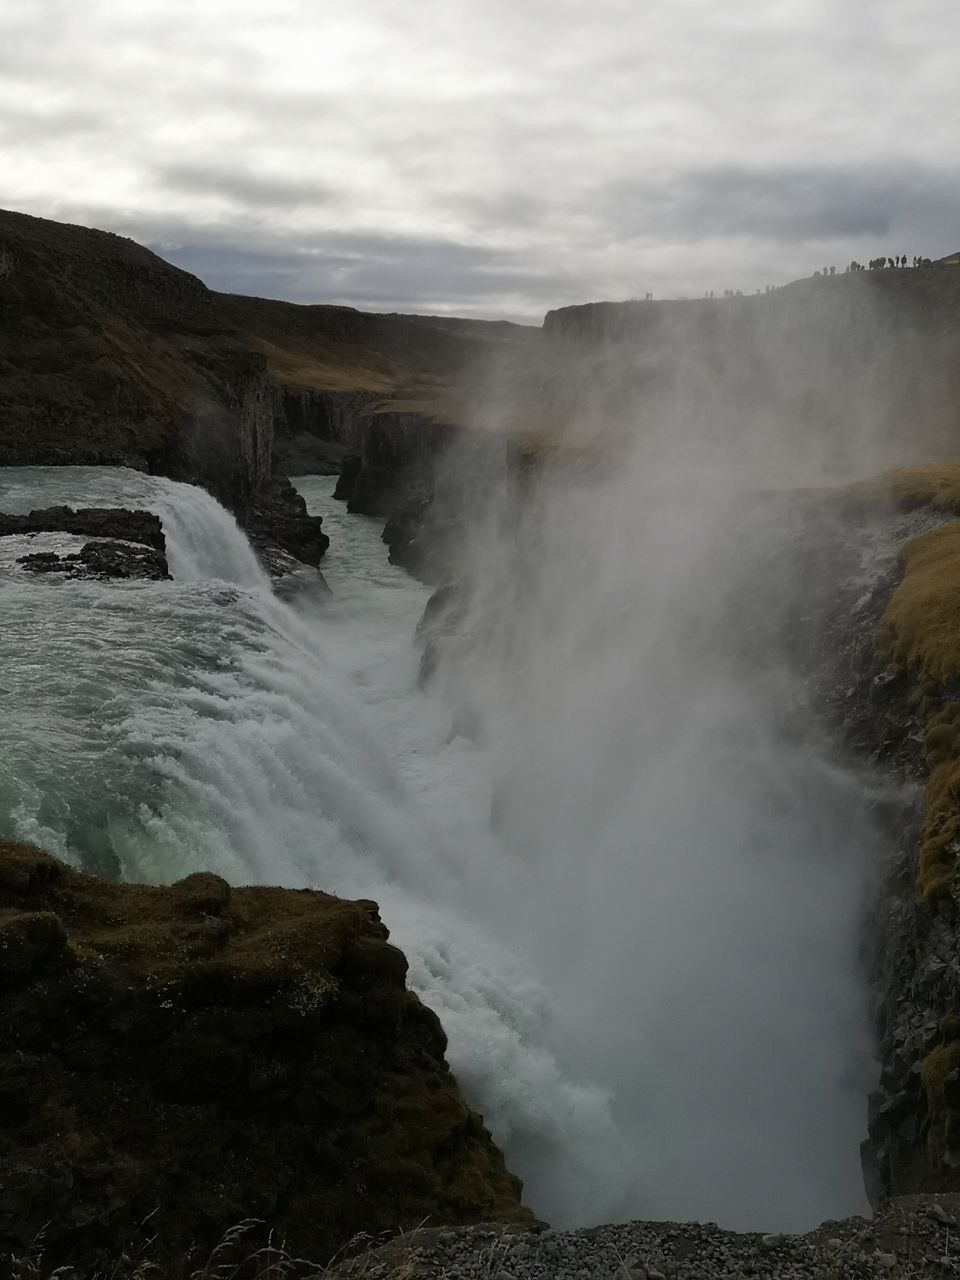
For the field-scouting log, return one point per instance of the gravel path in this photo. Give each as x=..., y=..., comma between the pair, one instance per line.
x=910, y=1236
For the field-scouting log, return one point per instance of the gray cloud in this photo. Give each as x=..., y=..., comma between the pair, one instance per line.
x=487, y=155
x=25, y=124
x=790, y=204
x=247, y=188
x=372, y=272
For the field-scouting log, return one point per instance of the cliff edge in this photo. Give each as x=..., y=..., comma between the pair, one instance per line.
x=196, y=1055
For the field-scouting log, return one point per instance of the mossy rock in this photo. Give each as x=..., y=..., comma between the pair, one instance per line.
x=197, y=1055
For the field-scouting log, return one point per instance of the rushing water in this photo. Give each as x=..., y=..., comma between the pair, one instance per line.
x=154, y=729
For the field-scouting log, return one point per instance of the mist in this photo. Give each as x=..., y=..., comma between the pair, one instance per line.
x=633, y=650
x=615, y=836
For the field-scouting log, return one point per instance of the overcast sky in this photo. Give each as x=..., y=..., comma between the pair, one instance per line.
x=488, y=157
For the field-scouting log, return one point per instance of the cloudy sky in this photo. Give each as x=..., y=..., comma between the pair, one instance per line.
x=488, y=157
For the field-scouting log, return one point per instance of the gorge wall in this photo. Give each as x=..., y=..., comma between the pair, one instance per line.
x=109, y=355
x=866, y=362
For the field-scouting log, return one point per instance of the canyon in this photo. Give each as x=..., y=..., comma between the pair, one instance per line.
x=557, y=490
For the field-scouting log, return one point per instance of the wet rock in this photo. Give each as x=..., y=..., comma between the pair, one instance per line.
x=101, y=560
x=89, y=522
x=290, y=576
x=278, y=521
x=349, y=470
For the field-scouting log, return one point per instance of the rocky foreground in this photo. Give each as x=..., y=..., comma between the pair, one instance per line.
x=192, y=1056
x=913, y=1236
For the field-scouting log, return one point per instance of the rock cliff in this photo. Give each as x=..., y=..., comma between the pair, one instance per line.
x=205, y=1055
x=110, y=355
x=914, y=1114
x=843, y=359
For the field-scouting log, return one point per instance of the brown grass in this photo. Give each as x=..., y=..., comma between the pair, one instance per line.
x=920, y=633
x=314, y=368
x=920, y=629
x=935, y=485
x=247, y=1251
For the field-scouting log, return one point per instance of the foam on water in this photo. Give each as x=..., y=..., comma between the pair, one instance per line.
x=203, y=540
x=159, y=728
x=155, y=729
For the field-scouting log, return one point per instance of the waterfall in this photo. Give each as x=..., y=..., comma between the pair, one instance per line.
x=629, y=964
x=203, y=539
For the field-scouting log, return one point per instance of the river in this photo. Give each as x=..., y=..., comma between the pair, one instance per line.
x=634, y=1057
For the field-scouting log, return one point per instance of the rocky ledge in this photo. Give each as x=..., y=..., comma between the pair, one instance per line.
x=100, y=560
x=913, y=1236
x=89, y=522
x=196, y=1055
x=127, y=544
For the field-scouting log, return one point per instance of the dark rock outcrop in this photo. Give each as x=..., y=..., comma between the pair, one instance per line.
x=89, y=522
x=110, y=355
x=101, y=560
x=443, y=616
x=398, y=452
x=429, y=479
x=278, y=522
x=316, y=429
x=347, y=476
x=205, y=1055
x=129, y=544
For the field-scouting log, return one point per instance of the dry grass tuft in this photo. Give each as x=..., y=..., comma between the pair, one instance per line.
x=245, y=1252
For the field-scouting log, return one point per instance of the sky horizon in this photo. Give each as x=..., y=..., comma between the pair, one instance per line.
x=482, y=158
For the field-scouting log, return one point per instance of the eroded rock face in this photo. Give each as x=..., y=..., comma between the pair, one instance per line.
x=109, y=355
x=315, y=429
x=283, y=513
x=207, y=1055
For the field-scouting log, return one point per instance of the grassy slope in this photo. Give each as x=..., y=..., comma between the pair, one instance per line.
x=919, y=634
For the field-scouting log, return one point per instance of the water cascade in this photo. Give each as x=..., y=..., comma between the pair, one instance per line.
x=646, y=965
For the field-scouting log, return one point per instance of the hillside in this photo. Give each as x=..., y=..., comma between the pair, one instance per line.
x=108, y=354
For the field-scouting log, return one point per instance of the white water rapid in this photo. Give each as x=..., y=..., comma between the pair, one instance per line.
x=647, y=972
